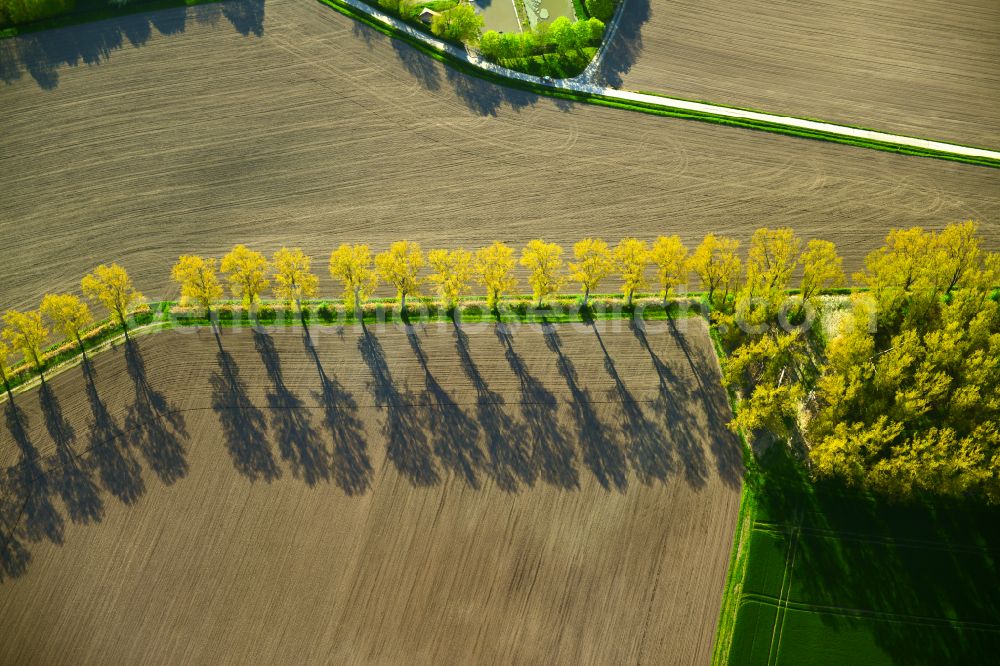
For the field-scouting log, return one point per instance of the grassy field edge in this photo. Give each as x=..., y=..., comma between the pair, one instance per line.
x=808, y=118
x=97, y=15
x=169, y=315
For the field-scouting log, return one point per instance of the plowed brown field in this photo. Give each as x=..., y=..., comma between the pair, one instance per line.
x=431, y=497
x=926, y=68
x=320, y=131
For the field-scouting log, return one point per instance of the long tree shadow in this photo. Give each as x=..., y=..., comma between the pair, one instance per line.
x=725, y=445
x=407, y=446
x=352, y=468
x=481, y=97
x=625, y=45
x=646, y=444
x=506, y=440
x=298, y=441
x=680, y=423
x=552, y=455
x=37, y=518
x=43, y=53
x=153, y=425
x=243, y=424
x=601, y=455
x=118, y=470
x=931, y=558
x=14, y=557
x=454, y=434
x=69, y=475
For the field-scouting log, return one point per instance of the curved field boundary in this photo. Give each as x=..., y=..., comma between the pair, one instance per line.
x=576, y=90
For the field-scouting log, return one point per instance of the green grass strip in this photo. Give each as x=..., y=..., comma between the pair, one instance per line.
x=809, y=118
x=166, y=315
x=97, y=14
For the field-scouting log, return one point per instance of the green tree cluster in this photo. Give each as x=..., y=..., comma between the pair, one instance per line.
x=19, y=12
x=562, y=37
x=460, y=24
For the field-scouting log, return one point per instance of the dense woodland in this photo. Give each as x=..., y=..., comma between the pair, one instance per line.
x=894, y=385
x=900, y=391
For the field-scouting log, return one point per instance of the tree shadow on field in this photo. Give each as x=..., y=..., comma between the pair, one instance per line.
x=352, y=468
x=455, y=435
x=506, y=439
x=485, y=98
x=681, y=424
x=424, y=69
x=153, y=426
x=243, y=425
x=406, y=443
x=29, y=486
x=14, y=557
x=118, y=470
x=724, y=444
x=551, y=454
x=42, y=54
x=625, y=45
x=928, y=557
x=70, y=476
x=646, y=444
x=479, y=96
x=601, y=454
x=298, y=441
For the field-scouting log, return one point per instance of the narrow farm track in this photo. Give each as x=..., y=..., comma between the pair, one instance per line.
x=924, y=68
x=319, y=130
x=372, y=503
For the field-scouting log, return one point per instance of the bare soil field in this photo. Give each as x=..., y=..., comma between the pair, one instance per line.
x=926, y=68
x=560, y=496
x=140, y=139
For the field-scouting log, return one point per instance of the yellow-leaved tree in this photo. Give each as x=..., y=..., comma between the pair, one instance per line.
x=632, y=258
x=352, y=265
x=26, y=332
x=112, y=287
x=544, y=261
x=247, y=272
x=717, y=265
x=452, y=272
x=669, y=256
x=494, y=269
x=400, y=266
x=822, y=268
x=198, y=281
x=956, y=253
x=293, y=280
x=70, y=315
x=593, y=264
x=5, y=367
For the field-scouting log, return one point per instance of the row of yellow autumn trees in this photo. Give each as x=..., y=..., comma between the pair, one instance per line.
x=289, y=276
x=452, y=273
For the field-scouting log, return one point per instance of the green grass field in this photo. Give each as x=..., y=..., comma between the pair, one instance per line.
x=834, y=576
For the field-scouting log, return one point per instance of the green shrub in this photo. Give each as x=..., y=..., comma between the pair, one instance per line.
x=325, y=313
x=17, y=12
x=600, y=9
x=266, y=314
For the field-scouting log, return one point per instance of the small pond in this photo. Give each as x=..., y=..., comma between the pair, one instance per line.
x=498, y=15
